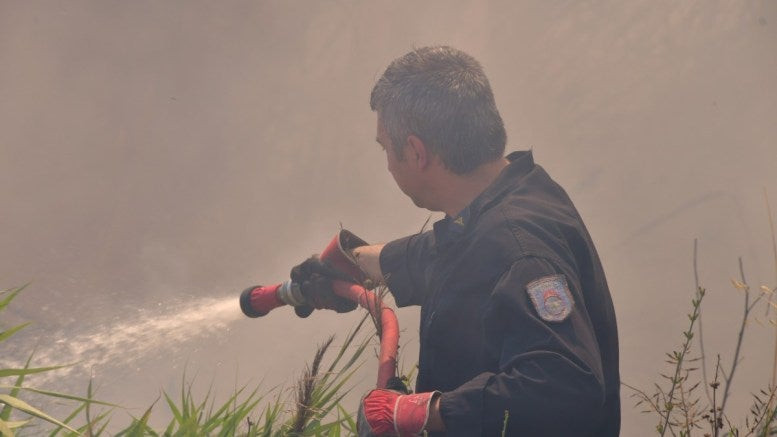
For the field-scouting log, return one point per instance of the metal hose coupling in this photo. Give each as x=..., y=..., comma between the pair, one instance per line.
x=290, y=294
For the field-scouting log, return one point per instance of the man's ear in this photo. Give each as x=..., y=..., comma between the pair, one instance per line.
x=418, y=152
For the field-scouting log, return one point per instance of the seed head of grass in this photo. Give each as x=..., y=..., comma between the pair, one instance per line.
x=305, y=387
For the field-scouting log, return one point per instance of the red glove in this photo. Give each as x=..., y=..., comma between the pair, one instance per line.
x=388, y=412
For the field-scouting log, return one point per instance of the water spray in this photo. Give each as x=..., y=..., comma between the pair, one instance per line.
x=258, y=301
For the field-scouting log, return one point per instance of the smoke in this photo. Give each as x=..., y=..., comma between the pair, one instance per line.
x=151, y=149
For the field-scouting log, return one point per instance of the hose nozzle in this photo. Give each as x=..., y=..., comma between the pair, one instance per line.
x=259, y=300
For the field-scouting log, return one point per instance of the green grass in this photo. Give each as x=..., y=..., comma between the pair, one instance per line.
x=312, y=409
x=11, y=395
x=685, y=400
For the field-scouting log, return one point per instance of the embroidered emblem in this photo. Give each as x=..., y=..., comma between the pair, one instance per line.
x=459, y=221
x=551, y=297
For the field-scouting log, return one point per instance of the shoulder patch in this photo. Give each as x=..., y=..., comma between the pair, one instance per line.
x=551, y=297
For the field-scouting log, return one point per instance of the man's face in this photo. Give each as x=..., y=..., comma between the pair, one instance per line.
x=404, y=173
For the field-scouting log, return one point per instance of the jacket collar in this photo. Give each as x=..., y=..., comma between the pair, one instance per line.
x=450, y=228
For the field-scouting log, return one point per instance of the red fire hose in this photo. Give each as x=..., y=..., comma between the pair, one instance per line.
x=260, y=300
x=389, y=339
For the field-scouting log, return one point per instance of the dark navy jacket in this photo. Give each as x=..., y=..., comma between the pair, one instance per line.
x=516, y=316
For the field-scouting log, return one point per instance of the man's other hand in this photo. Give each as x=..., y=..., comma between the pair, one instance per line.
x=389, y=412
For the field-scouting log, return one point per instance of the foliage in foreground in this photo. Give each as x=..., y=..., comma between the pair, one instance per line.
x=314, y=409
x=317, y=409
x=678, y=403
x=11, y=395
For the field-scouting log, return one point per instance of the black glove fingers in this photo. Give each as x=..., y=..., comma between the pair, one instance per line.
x=311, y=290
x=324, y=269
x=315, y=282
x=345, y=305
x=303, y=311
x=314, y=265
x=301, y=272
x=319, y=294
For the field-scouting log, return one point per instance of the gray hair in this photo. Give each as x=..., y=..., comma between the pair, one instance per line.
x=442, y=96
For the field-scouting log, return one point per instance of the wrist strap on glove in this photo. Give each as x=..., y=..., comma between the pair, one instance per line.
x=388, y=412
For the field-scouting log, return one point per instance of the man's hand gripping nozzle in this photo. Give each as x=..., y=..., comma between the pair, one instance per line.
x=334, y=281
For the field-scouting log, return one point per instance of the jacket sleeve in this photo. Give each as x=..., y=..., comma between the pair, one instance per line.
x=404, y=264
x=549, y=379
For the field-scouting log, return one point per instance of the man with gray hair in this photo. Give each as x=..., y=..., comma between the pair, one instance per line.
x=518, y=331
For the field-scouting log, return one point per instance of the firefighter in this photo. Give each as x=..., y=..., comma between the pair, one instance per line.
x=517, y=331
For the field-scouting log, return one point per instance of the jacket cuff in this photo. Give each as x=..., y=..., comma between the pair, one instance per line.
x=394, y=265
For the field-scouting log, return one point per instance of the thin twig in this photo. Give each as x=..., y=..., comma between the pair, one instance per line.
x=426, y=223
x=762, y=414
x=644, y=398
x=701, y=330
x=774, y=251
x=684, y=406
x=375, y=309
x=770, y=414
x=740, y=338
x=714, y=410
x=679, y=357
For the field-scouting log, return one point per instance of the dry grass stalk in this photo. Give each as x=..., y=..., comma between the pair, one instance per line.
x=701, y=326
x=774, y=289
x=305, y=387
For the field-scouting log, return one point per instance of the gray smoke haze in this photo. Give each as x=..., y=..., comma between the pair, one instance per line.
x=156, y=158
